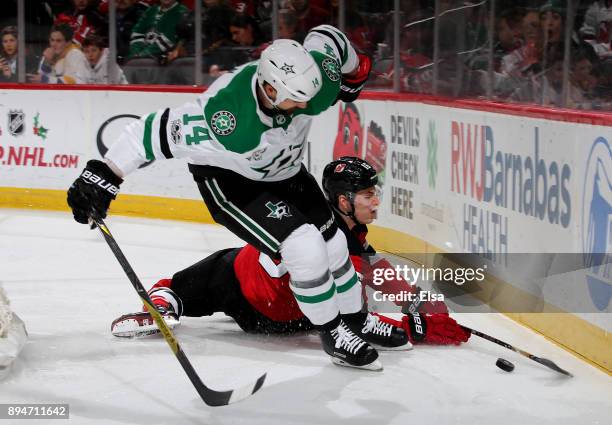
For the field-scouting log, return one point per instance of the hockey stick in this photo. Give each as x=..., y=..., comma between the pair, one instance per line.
x=209, y=396
x=548, y=363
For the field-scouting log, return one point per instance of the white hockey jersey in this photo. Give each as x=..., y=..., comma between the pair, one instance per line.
x=226, y=127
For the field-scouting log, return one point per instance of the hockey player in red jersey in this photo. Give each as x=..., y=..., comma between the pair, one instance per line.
x=253, y=288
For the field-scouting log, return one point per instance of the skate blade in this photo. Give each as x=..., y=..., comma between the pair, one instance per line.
x=406, y=347
x=130, y=328
x=375, y=366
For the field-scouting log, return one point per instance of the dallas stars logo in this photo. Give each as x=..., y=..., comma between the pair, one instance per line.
x=287, y=68
x=223, y=123
x=278, y=210
x=331, y=68
x=287, y=158
x=40, y=131
x=280, y=119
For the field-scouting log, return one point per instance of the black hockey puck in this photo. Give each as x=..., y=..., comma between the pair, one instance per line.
x=504, y=364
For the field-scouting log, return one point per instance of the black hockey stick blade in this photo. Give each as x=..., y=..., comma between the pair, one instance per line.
x=208, y=395
x=548, y=363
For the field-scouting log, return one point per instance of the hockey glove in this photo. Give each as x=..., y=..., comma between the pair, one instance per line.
x=350, y=87
x=437, y=329
x=92, y=193
x=420, y=303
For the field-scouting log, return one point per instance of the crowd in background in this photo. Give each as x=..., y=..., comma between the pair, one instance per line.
x=67, y=42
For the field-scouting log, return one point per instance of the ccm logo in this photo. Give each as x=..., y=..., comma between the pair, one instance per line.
x=97, y=180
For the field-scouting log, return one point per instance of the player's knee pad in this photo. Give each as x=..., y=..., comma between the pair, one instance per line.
x=305, y=254
x=337, y=251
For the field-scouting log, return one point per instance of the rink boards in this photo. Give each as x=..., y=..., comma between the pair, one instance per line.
x=470, y=177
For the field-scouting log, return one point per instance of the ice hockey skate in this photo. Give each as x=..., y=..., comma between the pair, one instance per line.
x=348, y=349
x=383, y=336
x=141, y=323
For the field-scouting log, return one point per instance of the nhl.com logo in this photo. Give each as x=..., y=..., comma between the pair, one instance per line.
x=596, y=223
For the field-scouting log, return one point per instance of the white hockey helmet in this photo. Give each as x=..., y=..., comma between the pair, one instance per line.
x=288, y=67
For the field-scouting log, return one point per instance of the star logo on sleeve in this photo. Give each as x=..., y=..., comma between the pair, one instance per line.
x=287, y=68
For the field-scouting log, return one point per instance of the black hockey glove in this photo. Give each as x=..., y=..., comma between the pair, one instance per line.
x=93, y=191
x=350, y=87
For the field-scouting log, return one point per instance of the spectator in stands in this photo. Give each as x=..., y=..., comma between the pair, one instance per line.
x=128, y=14
x=357, y=29
x=288, y=26
x=526, y=59
x=8, y=54
x=263, y=14
x=604, y=84
x=416, y=53
x=509, y=26
x=544, y=88
x=597, y=27
x=247, y=35
x=243, y=7
x=507, y=39
x=154, y=35
x=84, y=19
x=63, y=61
x=101, y=71
x=245, y=31
x=310, y=13
x=552, y=16
x=582, y=79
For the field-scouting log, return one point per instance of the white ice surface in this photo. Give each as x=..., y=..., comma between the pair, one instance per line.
x=67, y=286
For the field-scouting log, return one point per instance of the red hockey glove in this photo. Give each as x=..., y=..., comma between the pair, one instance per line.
x=422, y=305
x=350, y=87
x=439, y=329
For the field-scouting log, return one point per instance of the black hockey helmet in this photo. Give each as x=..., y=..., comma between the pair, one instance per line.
x=347, y=176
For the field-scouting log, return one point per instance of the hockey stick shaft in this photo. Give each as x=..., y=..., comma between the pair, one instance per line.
x=209, y=396
x=548, y=363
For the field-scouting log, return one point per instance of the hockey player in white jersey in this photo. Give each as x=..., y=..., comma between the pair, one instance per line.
x=244, y=139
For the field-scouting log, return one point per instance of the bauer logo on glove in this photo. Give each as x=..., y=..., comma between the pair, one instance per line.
x=92, y=192
x=97, y=180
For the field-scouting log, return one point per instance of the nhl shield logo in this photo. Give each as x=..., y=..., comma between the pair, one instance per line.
x=16, y=122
